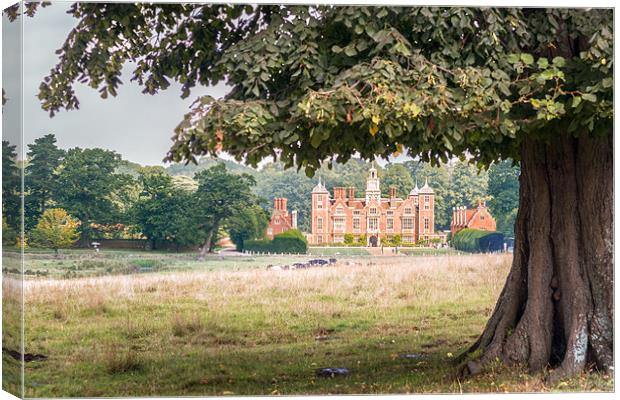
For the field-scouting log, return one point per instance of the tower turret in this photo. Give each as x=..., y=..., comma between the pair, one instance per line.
x=373, y=190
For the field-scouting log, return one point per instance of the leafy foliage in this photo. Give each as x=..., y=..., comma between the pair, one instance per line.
x=44, y=157
x=88, y=187
x=11, y=187
x=56, y=230
x=165, y=213
x=467, y=186
x=289, y=242
x=220, y=195
x=504, y=195
x=316, y=83
x=398, y=177
x=476, y=241
x=9, y=236
x=247, y=224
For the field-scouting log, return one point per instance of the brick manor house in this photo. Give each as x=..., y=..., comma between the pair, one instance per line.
x=474, y=218
x=413, y=218
x=281, y=220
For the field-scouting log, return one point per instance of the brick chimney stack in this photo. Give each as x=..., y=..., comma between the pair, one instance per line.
x=340, y=193
x=392, y=192
x=279, y=203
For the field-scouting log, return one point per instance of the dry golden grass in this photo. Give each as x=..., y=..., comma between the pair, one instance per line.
x=423, y=281
x=253, y=331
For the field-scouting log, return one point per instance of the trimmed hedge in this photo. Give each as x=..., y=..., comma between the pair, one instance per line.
x=261, y=246
x=291, y=241
x=478, y=241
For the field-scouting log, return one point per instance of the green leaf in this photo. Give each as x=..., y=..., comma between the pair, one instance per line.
x=527, y=59
x=503, y=87
x=350, y=51
x=559, y=61
x=513, y=58
x=589, y=97
x=543, y=63
x=336, y=49
x=316, y=139
x=576, y=101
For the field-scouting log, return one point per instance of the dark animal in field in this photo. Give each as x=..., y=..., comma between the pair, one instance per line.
x=332, y=372
x=28, y=357
x=318, y=261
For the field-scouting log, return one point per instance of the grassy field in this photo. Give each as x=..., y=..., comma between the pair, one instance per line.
x=86, y=263
x=334, y=251
x=227, y=326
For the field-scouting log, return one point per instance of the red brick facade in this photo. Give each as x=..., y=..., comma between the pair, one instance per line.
x=413, y=218
x=474, y=218
x=281, y=220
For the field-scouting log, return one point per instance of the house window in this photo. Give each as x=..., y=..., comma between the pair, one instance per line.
x=339, y=210
x=276, y=220
x=319, y=224
x=338, y=238
x=319, y=239
x=481, y=217
x=408, y=239
x=408, y=223
x=269, y=231
x=356, y=224
x=373, y=210
x=408, y=210
x=390, y=213
x=426, y=224
x=415, y=200
x=390, y=223
x=373, y=224
x=356, y=212
x=427, y=202
x=339, y=224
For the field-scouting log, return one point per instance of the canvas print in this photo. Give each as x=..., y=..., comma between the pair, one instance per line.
x=206, y=199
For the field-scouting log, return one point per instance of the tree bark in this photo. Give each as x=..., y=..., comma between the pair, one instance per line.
x=556, y=308
x=206, y=247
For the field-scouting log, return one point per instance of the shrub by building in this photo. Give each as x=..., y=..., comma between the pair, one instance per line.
x=291, y=241
x=478, y=241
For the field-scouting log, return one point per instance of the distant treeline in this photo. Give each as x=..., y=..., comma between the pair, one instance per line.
x=116, y=198
x=456, y=183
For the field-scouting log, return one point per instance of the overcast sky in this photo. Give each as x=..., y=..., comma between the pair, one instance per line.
x=137, y=126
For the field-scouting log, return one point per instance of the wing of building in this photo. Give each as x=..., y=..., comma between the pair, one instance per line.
x=281, y=220
x=372, y=217
x=474, y=218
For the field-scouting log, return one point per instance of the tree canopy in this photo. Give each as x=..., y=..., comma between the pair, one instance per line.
x=11, y=187
x=220, y=196
x=44, y=157
x=504, y=195
x=311, y=83
x=165, y=213
x=88, y=186
x=56, y=229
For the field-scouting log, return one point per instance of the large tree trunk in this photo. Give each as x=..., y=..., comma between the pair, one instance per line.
x=556, y=308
